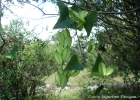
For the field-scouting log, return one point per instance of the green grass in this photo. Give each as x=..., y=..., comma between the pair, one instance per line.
x=118, y=79
x=82, y=79
x=68, y=95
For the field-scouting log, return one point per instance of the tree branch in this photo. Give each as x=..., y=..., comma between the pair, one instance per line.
x=99, y=12
x=37, y=8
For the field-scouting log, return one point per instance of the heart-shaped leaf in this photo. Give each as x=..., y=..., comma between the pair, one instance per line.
x=66, y=53
x=64, y=19
x=58, y=57
x=75, y=8
x=64, y=81
x=59, y=48
x=74, y=73
x=109, y=70
x=68, y=41
x=64, y=13
x=61, y=37
x=74, y=15
x=102, y=69
x=96, y=65
x=66, y=23
x=61, y=5
x=74, y=64
x=96, y=74
x=83, y=13
x=90, y=20
x=66, y=33
x=58, y=78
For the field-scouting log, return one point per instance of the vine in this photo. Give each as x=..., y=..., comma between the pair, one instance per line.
x=69, y=63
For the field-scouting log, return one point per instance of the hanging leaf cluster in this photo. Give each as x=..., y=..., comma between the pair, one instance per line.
x=62, y=52
x=62, y=77
x=99, y=68
x=74, y=18
x=61, y=55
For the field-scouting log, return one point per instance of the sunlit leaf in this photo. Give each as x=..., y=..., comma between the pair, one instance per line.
x=74, y=73
x=74, y=64
x=102, y=69
x=64, y=81
x=74, y=15
x=58, y=78
x=59, y=48
x=61, y=37
x=66, y=53
x=83, y=13
x=109, y=70
x=58, y=57
x=66, y=33
x=68, y=41
x=97, y=62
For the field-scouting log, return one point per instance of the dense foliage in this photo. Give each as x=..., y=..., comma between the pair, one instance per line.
x=25, y=60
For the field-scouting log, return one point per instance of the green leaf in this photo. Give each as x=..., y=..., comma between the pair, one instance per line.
x=64, y=13
x=96, y=74
x=58, y=78
x=74, y=15
x=68, y=41
x=74, y=73
x=61, y=37
x=64, y=81
x=59, y=48
x=61, y=5
x=102, y=69
x=66, y=33
x=61, y=70
x=83, y=13
x=66, y=23
x=80, y=26
x=12, y=53
x=74, y=64
x=90, y=20
x=96, y=65
x=109, y=70
x=64, y=20
x=58, y=57
x=98, y=90
x=66, y=53
x=75, y=8
x=90, y=45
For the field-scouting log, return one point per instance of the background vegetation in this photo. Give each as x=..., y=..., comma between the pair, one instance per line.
x=28, y=64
